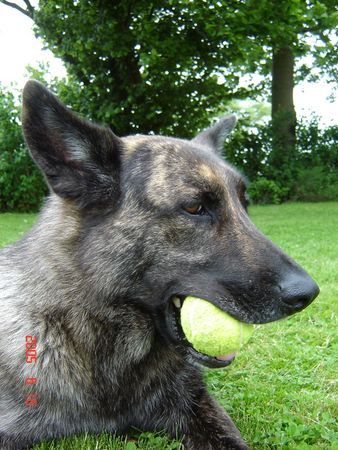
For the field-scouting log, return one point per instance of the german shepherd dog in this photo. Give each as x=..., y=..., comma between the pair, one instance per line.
x=90, y=297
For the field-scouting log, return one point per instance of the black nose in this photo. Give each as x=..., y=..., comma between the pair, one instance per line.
x=298, y=290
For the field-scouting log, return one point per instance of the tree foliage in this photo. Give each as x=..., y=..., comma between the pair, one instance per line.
x=169, y=66
x=142, y=66
x=157, y=65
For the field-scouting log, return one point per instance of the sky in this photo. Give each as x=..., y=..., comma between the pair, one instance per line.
x=19, y=47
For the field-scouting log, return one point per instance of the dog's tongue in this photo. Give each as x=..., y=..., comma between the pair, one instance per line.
x=226, y=357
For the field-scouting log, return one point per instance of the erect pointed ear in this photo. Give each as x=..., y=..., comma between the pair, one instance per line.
x=80, y=160
x=215, y=135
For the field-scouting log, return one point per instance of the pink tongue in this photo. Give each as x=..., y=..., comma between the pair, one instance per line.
x=226, y=357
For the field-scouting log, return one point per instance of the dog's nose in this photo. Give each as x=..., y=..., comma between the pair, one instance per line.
x=298, y=291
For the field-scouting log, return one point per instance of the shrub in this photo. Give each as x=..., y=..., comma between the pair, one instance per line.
x=308, y=174
x=248, y=148
x=264, y=191
x=315, y=184
x=22, y=187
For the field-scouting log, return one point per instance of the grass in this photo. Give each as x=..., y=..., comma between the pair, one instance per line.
x=13, y=226
x=281, y=390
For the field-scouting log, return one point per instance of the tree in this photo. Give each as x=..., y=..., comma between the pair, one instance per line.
x=141, y=66
x=278, y=34
x=168, y=66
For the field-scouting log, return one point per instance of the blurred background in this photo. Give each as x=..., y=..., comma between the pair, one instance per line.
x=173, y=67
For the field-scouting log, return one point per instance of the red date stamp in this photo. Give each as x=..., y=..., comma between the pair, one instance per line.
x=31, y=358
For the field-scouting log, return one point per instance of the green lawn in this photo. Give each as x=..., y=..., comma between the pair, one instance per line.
x=13, y=226
x=281, y=390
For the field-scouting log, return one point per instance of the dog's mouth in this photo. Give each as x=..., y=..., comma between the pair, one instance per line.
x=173, y=318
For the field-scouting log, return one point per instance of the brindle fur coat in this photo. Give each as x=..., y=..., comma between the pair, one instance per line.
x=130, y=224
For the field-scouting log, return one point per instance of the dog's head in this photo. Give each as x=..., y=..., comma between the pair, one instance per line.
x=162, y=218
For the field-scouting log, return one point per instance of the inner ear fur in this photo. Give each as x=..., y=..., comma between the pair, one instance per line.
x=80, y=160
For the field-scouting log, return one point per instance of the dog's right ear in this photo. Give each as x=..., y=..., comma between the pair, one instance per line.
x=80, y=160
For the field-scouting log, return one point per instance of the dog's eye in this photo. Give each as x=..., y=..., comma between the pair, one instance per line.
x=196, y=210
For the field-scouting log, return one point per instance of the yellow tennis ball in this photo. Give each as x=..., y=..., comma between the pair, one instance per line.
x=210, y=330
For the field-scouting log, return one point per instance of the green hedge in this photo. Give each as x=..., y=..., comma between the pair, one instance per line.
x=22, y=187
x=309, y=174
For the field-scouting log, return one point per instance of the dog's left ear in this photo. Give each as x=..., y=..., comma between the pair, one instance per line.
x=215, y=135
x=80, y=160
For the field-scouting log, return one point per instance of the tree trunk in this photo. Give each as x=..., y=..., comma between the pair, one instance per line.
x=283, y=114
x=283, y=109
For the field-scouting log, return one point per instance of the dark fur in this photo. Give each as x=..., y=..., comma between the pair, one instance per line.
x=93, y=280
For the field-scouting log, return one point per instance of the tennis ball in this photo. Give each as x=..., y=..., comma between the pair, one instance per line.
x=210, y=330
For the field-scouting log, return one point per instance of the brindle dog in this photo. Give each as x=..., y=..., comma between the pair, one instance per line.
x=132, y=226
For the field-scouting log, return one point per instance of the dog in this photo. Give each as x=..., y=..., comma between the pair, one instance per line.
x=90, y=297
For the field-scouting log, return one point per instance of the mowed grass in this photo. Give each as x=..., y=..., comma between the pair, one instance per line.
x=13, y=226
x=281, y=389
